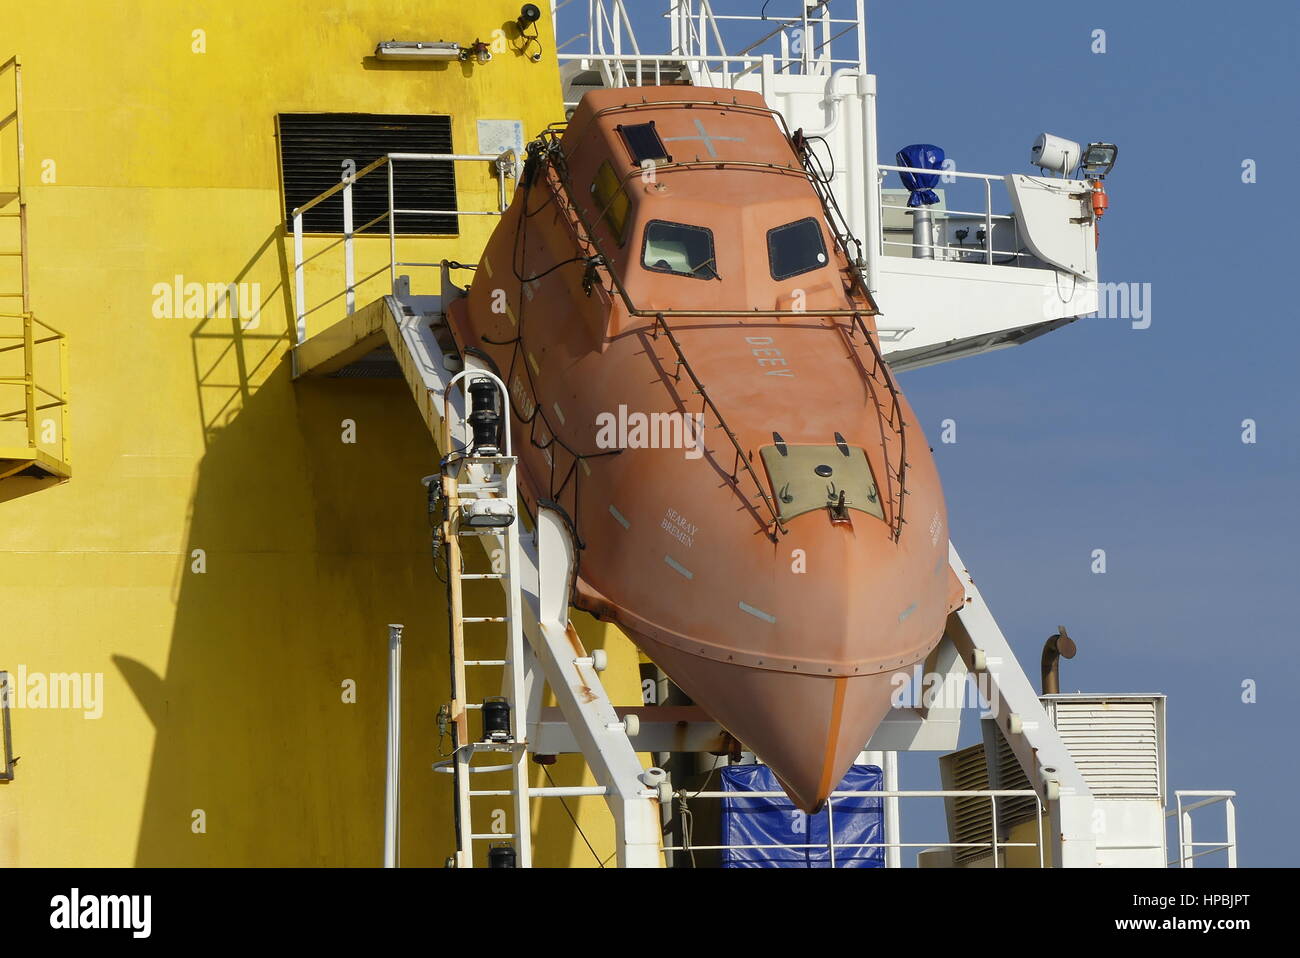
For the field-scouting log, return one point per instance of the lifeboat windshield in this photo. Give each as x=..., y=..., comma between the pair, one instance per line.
x=795, y=248
x=679, y=249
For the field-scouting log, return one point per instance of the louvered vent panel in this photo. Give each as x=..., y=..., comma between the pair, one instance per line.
x=1013, y=811
x=1115, y=744
x=314, y=146
x=969, y=818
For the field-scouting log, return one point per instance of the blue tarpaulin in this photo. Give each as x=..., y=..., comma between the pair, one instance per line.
x=776, y=822
x=921, y=156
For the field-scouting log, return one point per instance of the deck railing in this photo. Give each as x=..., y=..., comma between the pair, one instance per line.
x=985, y=217
x=1187, y=853
x=505, y=165
x=808, y=42
x=995, y=847
x=43, y=382
x=24, y=332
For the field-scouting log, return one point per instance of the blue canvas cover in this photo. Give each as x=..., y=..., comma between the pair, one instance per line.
x=776, y=821
x=921, y=156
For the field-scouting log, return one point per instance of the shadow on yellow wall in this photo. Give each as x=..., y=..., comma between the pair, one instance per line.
x=302, y=547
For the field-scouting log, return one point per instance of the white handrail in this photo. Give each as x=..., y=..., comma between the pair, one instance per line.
x=1186, y=854
x=885, y=795
x=507, y=166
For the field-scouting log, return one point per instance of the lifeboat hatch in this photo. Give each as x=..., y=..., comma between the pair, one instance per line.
x=807, y=478
x=644, y=143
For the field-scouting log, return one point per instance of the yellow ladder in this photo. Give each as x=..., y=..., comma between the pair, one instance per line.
x=28, y=446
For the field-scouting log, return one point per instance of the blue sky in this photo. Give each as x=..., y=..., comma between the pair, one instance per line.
x=1100, y=436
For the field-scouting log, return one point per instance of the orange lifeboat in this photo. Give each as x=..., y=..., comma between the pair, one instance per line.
x=695, y=376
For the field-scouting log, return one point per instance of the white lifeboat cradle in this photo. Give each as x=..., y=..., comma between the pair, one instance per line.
x=1088, y=769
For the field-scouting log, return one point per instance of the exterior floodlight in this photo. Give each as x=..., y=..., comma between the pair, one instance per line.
x=1055, y=154
x=1098, y=160
x=487, y=514
x=417, y=50
x=528, y=15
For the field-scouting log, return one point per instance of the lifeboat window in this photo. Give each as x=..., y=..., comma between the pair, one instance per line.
x=643, y=143
x=795, y=248
x=680, y=249
x=611, y=201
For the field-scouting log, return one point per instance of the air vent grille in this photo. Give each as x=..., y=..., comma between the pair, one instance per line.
x=1115, y=744
x=315, y=146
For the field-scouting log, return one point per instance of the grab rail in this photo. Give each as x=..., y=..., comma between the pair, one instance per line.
x=684, y=796
x=505, y=164
x=988, y=214
x=1187, y=853
x=550, y=149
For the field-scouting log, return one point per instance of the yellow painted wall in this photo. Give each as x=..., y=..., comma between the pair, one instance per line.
x=222, y=690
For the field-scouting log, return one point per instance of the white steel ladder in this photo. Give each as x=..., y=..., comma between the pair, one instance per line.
x=481, y=488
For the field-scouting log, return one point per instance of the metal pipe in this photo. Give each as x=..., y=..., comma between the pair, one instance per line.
x=867, y=87
x=832, y=100
x=922, y=234
x=349, y=268
x=393, y=786
x=1057, y=646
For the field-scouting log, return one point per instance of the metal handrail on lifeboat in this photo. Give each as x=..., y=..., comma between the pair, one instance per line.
x=551, y=137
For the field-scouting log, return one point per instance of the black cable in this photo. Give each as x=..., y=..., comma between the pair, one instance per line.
x=565, y=804
x=829, y=153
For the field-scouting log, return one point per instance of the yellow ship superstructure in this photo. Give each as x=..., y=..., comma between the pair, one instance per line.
x=194, y=609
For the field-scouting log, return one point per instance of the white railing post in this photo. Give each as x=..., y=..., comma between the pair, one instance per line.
x=804, y=41
x=393, y=784
x=1186, y=845
x=392, y=231
x=299, y=281
x=1231, y=811
x=830, y=829
x=862, y=35
x=1042, y=850
x=988, y=223
x=893, y=825
x=993, y=806
x=349, y=269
